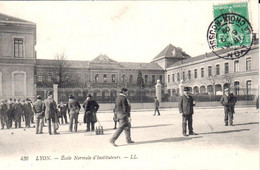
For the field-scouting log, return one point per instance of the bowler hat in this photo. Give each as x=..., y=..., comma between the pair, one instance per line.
x=49, y=93
x=89, y=95
x=38, y=97
x=123, y=90
x=186, y=89
x=71, y=96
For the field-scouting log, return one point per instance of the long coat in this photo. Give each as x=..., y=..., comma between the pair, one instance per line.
x=91, y=107
x=224, y=102
x=186, y=105
x=122, y=107
x=50, y=108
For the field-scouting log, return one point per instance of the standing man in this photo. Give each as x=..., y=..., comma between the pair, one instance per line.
x=3, y=114
x=63, y=110
x=186, y=104
x=38, y=109
x=17, y=108
x=91, y=107
x=10, y=113
x=156, y=106
x=228, y=100
x=27, y=113
x=50, y=108
x=74, y=108
x=122, y=110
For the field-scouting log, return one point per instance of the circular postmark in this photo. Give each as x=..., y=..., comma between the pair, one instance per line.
x=230, y=36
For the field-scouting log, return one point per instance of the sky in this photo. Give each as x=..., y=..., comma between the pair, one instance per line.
x=126, y=31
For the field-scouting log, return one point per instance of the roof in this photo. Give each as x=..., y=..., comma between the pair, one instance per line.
x=10, y=19
x=103, y=59
x=142, y=66
x=170, y=51
x=73, y=63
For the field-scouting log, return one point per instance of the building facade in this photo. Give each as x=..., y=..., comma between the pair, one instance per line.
x=22, y=75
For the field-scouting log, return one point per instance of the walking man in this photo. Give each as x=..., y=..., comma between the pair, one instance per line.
x=38, y=109
x=91, y=107
x=122, y=110
x=74, y=108
x=228, y=100
x=50, y=108
x=186, y=104
x=156, y=106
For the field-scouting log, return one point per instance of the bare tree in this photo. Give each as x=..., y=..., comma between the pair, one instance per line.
x=63, y=73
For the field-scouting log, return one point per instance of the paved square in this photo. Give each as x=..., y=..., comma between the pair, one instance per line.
x=159, y=143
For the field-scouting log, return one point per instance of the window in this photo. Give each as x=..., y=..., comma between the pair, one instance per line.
x=202, y=72
x=153, y=78
x=19, y=84
x=178, y=76
x=248, y=87
x=131, y=79
x=209, y=71
x=236, y=85
x=96, y=78
x=39, y=78
x=113, y=78
x=168, y=78
x=49, y=77
x=189, y=74
x=217, y=69
x=248, y=63
x=160, y=78
x=195, y=73
x=145, y=79
x=226, y=68
x=236, y=65
x=105, y=78
x=18, y=48
x=173, y=78
x=183, y=75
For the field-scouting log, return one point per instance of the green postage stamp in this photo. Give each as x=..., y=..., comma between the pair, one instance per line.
x=230, y=30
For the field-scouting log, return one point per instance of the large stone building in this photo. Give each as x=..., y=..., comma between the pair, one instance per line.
x=22, y=75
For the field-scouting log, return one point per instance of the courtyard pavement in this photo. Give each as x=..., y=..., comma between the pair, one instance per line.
x=159, y=143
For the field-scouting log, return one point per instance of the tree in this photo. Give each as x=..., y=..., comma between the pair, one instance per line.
x=64, y=75
x=140, y=82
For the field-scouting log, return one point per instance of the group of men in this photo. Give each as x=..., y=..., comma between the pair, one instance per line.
x=16, y=111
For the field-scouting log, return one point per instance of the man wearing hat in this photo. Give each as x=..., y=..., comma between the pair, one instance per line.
x=73, y=107
x=3, y=114
x=186, y=103
x=38, y=109
x=156, y=106
x=10, y=113
x=122, y=110
x=17, y=108
x=91, y=107
x=228, y=100
x=50, y=108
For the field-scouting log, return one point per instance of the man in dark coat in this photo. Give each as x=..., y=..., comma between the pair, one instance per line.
x=63, y=110
x=91, y=107
x=38, y=109
x=10, y=113
x=27, y=113
x=186, y=103
x=156, y=106
x=74, y=107
x=3, y=114
x=228, y=100
x=17, y=108
x=122, y=110
x=50, y=108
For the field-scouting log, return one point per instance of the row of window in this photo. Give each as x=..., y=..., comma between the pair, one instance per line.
x=210, y=70
x=105, y=78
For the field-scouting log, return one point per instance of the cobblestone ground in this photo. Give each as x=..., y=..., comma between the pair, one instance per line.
x=159, y=144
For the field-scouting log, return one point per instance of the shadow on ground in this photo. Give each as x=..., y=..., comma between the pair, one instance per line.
x=250, y=123
x=227, y=131
x=168, y=140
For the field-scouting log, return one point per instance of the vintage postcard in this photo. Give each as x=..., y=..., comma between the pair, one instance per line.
x=129, y=85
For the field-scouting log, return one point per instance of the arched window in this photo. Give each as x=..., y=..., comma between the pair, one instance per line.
x=19, y=83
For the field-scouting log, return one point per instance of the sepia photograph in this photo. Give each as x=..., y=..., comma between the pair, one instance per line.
x=129, y=85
